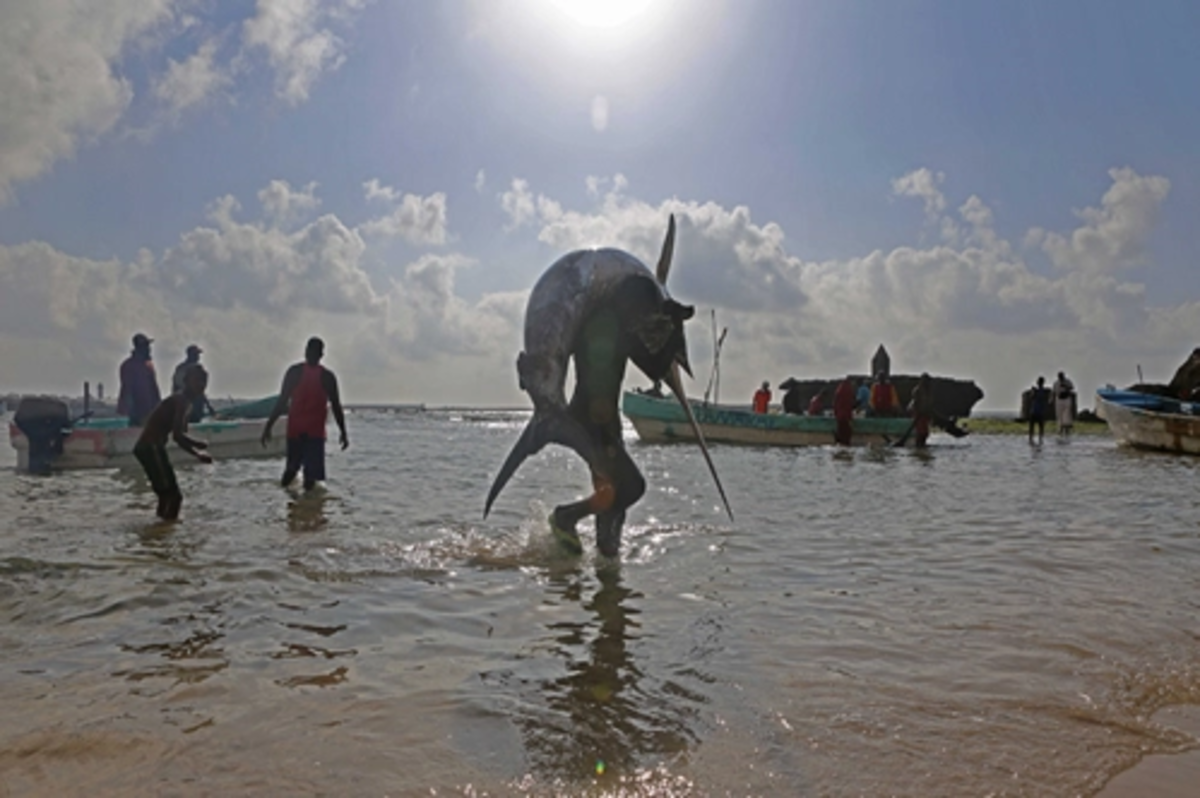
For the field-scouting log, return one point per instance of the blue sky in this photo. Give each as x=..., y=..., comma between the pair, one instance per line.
x=822, y=156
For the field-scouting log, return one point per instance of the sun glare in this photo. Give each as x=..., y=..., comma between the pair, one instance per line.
x=601, y=13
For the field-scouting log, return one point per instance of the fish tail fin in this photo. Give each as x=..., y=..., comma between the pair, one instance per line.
x=545, y=427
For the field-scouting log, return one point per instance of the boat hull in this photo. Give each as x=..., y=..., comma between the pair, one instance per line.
x=1143, y=428
x=663, y=421
x=109, y=443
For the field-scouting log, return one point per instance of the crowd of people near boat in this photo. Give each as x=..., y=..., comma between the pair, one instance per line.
x=852, y=398
x=877, y=397
x=308, y=392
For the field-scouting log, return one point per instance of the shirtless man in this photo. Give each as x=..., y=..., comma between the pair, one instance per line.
x=169, y=419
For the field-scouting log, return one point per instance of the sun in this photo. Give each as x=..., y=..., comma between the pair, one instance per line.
x=602, y=13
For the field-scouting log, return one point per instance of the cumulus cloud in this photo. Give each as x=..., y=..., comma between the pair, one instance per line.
x=299, y=41
x=418, y=220
x=192, y=81
x=524, y=207
x=947, y=308
x=922, y=183
x=59, y=85
x=480, y=181
x=283, y=204
x=241, y=264
x=1112, y=237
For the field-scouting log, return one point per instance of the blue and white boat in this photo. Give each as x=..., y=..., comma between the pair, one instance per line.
x=1148, y=421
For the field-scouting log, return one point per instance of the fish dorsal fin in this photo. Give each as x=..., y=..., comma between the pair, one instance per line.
x=668, y=249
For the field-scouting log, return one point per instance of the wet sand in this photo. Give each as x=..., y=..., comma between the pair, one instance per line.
x=1163, y=775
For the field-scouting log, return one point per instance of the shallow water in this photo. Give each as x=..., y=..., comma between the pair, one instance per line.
x=986, y=618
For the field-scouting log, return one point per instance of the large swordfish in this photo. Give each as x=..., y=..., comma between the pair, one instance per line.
x=602, y=308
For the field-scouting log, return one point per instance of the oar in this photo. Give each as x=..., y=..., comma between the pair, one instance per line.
x=907, y=432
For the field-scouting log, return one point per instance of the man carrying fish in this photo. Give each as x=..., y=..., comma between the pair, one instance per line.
x=601, y=308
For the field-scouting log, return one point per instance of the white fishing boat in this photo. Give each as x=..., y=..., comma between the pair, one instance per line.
x=64, y=445
x=1147, y=421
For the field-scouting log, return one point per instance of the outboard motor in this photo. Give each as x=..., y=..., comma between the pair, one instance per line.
x=45, y=423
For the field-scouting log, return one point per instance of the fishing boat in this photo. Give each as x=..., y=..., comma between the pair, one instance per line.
x=63, y=444
x=662, y=420
x=1148, y=421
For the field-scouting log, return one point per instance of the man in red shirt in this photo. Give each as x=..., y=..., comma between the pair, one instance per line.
x=844, y=399
x=762, y=398
x=308, y=389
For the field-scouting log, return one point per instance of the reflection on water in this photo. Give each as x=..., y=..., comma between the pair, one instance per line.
x=603, y=716
x=982, y=618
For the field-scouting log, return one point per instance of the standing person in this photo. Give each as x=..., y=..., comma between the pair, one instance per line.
x=307, y=392
x=884, y=400
x=816, y=405
x=169, y=419
x=1039, y=404
x=843, y=410
x=191, y=358
x=139, y=393
x=1064, y=397
x=862, y=398
x=921, y=403
x=791, y=399
x=762, y=398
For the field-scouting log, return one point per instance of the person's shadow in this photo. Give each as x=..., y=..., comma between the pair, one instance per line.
x=605, y=716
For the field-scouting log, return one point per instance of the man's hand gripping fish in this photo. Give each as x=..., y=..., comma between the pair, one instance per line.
x=603, y=308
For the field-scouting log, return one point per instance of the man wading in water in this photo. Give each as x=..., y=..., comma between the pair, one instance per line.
x=307, y=392
x=170, y=419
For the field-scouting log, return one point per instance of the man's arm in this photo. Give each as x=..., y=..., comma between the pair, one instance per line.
x=179, y=434
x=330, y=384
x=291, y=378
x=123, y=394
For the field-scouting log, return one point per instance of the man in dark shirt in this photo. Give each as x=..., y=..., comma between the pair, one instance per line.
x=169, y=419
x=139, y=386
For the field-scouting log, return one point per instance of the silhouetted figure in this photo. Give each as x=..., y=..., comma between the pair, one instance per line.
x=169, y=419
x=139, y=393
x=308, y=391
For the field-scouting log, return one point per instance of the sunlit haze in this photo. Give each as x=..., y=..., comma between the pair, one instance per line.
x=992, y=191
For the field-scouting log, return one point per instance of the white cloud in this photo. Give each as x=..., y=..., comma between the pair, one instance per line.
x=375, y=190
x=190, y=82
x=59, y=85
x=283, y=204
x=238, y=264
x=480, y=181
x=922, y=183
x=1113, y=236
x=523, y=207
x=971, y=308
x=599, y=113
x=298, y=42
x=418, y=220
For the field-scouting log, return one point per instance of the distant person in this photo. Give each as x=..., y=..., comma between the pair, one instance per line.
x=169, y=419
x=791, y=399
x=762, y=398
x=884, y=399
x=308, y=390
x=921, y=403
x=191, y=358
x=1039, y=407
x=844, y=400
x=139, y=394
x=816, y=405
x=1064, y=404
x=862, y=397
